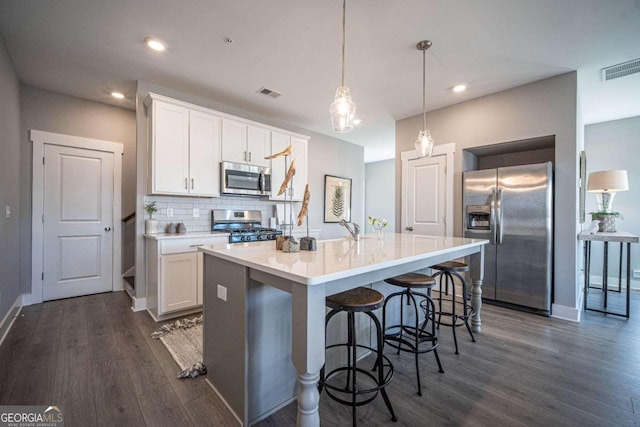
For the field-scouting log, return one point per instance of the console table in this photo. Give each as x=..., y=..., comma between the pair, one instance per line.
x=617, y=237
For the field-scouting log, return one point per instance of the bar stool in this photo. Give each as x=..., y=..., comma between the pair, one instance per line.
x=447, y=271
x=350, y=381
x=412, y=338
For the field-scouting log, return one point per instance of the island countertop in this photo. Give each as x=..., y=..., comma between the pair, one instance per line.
x=339, y=258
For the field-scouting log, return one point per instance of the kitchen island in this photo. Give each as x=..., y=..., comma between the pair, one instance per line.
x=248, y=347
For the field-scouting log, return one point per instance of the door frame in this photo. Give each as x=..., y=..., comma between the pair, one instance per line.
x=39, y=139
x=447, y=150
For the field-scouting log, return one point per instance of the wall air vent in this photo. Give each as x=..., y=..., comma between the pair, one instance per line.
x=269, y=92
x=621, y=70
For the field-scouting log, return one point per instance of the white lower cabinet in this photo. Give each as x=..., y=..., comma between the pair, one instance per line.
x=174, y=274
x=180, y=282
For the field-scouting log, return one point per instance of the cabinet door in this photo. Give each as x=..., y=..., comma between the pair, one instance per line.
x=179, y=282
x=279, y=142
x=170, y=149
x=204, y=154
x=258, y=146
x=234, y=141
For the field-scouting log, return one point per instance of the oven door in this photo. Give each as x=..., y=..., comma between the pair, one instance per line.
x=238, y=178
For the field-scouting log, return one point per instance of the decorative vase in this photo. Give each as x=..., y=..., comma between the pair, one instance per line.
x=379, y=229
x=151, y=226
x=607, y=222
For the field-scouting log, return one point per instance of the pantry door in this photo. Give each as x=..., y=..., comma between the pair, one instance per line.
x=78, y=220
x=427, y=192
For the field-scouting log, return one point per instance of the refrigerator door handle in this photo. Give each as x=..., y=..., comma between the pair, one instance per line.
x=500, y=217
x=492, y=217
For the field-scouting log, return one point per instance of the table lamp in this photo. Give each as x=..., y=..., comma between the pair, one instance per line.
x=606, y=184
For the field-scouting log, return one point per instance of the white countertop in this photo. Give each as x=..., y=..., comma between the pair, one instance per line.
x=195, y=235
x=339, y=258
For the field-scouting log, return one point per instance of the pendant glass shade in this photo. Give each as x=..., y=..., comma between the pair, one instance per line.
x=343, y=111
x=424, y=143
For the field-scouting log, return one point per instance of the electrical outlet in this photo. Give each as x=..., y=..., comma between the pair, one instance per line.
x=222, y=293
x=196, y=212
x=636, y=274
x=169, y=212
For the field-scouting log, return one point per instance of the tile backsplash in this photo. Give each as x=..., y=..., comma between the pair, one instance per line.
x=183, y=209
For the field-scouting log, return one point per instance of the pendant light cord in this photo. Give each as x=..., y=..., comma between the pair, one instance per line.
x=424, y=78
x=344, y=24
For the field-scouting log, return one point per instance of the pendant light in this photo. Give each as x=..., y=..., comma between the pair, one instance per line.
x=343, y=109
x=424, y=143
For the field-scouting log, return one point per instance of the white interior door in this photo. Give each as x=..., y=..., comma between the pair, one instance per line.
x=427, y=192
x=78, y=222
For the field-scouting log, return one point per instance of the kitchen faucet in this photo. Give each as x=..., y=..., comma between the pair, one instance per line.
x=355, y=231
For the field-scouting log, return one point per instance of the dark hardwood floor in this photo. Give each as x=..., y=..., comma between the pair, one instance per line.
x=94, y=357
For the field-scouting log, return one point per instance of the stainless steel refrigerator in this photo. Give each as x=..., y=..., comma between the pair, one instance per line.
x=513, y=208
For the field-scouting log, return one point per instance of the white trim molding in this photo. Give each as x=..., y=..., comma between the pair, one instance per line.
x=39, y=139
x=563, y=312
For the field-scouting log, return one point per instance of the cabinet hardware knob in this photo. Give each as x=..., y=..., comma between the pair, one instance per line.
x=409, y=228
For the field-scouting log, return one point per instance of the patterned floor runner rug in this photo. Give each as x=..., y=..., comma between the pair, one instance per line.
x=183, y=340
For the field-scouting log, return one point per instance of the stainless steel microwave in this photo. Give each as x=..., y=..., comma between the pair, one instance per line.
x=243, y=179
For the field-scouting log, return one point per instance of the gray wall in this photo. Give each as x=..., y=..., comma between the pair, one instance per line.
x=327, y=155
x=379, y=192
x=546, y=107
x=54, y=112
x=615, y=145
x=9, y=187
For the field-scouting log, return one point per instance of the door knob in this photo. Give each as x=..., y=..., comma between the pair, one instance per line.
x=107, y=229
x=409, y=228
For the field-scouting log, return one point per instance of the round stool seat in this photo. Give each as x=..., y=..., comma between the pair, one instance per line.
x=357, y=299
x=451, y=266
x=412, y=280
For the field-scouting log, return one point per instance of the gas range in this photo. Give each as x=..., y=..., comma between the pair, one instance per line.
x=242, y=226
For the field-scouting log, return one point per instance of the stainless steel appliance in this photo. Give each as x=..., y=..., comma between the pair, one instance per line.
x=242, y=226
x=513, y=208
x=242, y=179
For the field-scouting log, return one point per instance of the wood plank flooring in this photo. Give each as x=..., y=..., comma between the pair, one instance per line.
x=95, y=357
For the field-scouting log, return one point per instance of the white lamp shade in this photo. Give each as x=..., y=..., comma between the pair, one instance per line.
x=608, y=181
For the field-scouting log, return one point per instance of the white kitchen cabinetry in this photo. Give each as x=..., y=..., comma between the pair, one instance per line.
x=184, y=149
x=174, y=273
x=245, y=143
x=280, y=141
x=180, y=281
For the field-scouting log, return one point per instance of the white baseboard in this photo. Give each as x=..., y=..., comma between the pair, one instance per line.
x=30, y=299
x=564, y=312
x=9, y=318
x=138, y=304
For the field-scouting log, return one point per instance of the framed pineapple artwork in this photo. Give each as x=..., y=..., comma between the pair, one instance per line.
x=337, y=198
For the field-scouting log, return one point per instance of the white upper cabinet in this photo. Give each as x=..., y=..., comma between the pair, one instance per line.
x=169, y=148
x=234, y=141
x=258, y=145
x=280, y=141
x=185, y=150
x=245, y=143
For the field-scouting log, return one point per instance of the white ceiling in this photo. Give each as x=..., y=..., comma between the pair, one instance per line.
x=87, y=48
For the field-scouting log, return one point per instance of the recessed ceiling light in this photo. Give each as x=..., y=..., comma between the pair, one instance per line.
x=357, y=121
x=118, y=95
x=155, y=44
x=459, y=88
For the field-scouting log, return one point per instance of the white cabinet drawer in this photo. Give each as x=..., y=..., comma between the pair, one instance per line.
x=171, y=246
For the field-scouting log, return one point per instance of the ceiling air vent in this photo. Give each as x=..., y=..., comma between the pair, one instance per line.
x=269, y=92
x=621, y=70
